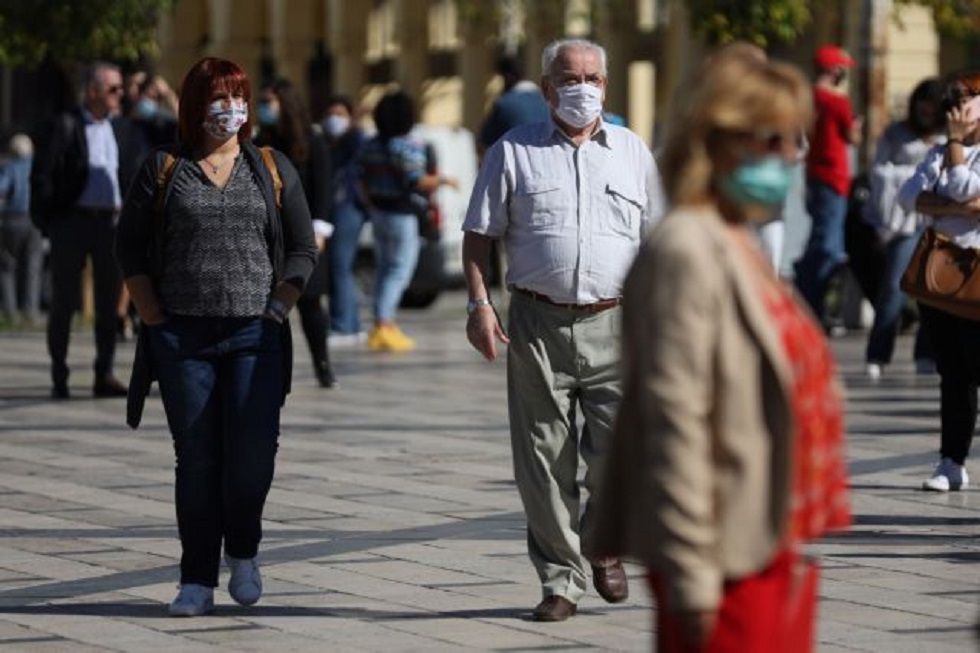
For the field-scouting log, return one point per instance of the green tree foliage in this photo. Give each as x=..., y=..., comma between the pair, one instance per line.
x=762, y=22
x=959, y=19
x=78, y=30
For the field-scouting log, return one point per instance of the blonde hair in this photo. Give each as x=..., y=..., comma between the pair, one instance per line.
x=731, y=92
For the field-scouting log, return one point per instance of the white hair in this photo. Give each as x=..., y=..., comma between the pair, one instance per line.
x=21, y=146
x=553, y=49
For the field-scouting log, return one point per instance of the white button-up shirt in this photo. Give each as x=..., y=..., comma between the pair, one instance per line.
x=959, y=183
x=570, y=218
x=102, y=184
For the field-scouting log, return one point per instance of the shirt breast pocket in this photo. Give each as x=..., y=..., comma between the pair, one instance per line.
x=541, y=202
x=625, y=209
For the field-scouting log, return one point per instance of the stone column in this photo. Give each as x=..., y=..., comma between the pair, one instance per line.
x=545, y=23
x=475, y=65
x=871, y=64
x=616, y=32
x=347, y=29
x=412, y=66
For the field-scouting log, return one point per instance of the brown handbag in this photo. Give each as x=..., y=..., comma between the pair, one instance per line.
x=944, y=276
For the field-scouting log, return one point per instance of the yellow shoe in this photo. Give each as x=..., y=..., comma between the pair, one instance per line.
x=375, y=341
x=389, y=338
x=398, y=341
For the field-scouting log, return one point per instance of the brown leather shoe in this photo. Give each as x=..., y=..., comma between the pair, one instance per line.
x=611, y=582
x=109, y=386
x=554, y=608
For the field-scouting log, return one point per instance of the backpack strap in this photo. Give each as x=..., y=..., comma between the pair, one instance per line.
x=163, y=178
x=270, y=164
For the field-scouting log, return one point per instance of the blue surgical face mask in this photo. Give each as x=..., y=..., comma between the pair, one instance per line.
x=145, y=108
x=764, y=181
x=267, y=114
x=336, y=125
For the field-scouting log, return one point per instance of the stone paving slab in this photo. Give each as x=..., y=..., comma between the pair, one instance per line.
x=394, y=523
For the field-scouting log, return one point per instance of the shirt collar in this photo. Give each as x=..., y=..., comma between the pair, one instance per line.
x=599, y=134
x=91, y=119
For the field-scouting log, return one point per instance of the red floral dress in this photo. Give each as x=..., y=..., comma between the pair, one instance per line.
x=819, y=501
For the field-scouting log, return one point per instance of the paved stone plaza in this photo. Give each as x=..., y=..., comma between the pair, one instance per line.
x=394, y=524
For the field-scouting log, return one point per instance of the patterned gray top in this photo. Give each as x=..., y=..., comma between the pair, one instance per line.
x=216, y=248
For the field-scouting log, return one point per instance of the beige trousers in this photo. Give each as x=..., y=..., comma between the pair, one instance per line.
x=562, y=364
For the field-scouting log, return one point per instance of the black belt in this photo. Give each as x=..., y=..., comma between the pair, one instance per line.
x=595, y=307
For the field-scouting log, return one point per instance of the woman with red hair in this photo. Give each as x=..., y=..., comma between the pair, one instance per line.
x=214, y=254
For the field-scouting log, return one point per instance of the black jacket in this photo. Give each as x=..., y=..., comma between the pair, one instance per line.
x=60, y=167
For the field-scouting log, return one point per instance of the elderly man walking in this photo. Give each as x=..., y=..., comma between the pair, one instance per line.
x=569, y=199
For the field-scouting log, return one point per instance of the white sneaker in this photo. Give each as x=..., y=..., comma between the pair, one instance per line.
x=874, y=370
x=245, y=584
x=948, y=476
x=346, y=340
x=192, y=601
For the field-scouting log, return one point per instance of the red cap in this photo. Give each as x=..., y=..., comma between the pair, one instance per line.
x=830, y=56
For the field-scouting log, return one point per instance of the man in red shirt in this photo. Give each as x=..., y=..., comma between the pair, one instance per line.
x=828, y=176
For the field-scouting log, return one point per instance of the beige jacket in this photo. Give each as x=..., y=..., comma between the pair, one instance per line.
x=697, y=480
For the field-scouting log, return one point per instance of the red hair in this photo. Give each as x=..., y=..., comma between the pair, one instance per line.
x=206, y=77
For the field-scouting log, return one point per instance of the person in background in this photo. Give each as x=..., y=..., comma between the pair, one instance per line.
x=393, y=178
x=347, y=216
x=728, y=449
x=946, y=188
x=213, y=266
x=285, y=125
x=901, y=147
x=151, y=105
x=155, y=111
x=520, y=103
x=83, y=164
x=21, y=244
x=828, y=177
x=569, y=197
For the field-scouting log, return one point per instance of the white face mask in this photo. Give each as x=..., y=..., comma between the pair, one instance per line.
x=336, y=125
x=579, y=105
x=225, y=117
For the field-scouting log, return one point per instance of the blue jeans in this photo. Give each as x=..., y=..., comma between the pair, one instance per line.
x=889, y=302
x=824, y=251
x=221, y=384
x=348, y=221
x=396, y=251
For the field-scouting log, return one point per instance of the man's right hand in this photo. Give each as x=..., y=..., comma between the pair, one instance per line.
x=483, y=330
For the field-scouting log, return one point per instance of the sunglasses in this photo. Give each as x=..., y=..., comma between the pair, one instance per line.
x=776, y=142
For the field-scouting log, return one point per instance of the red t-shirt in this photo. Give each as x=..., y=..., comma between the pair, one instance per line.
x=827, y=161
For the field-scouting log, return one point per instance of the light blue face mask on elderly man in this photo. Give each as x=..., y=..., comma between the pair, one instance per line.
x=764, y=181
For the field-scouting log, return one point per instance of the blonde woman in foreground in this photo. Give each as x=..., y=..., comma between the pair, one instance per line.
x=728, y=449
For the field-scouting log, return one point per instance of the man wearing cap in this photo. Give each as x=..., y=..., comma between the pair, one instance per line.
x=828, y=176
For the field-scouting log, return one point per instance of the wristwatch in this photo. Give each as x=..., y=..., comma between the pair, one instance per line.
x=474, y=304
